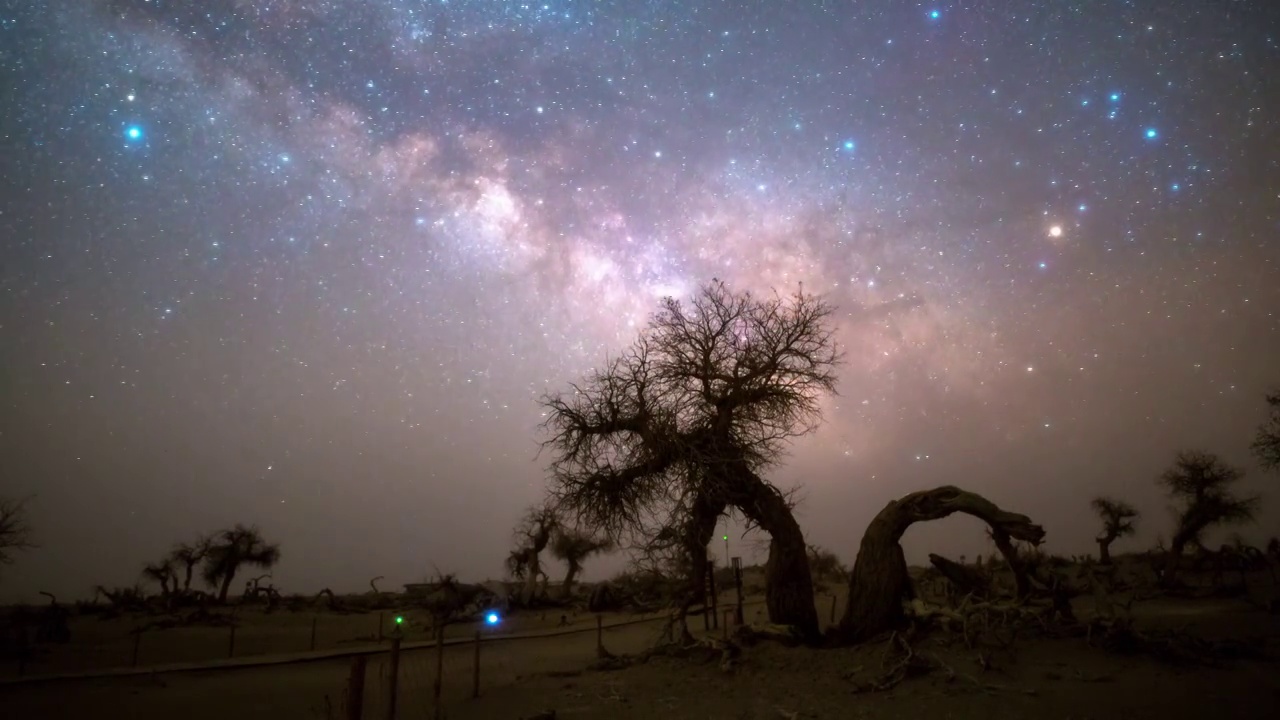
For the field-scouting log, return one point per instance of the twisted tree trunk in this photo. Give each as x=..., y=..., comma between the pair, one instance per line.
x=1104, y=549
x=788, y=578
x=879, y=582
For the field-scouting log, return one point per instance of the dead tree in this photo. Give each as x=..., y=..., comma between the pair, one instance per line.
x=1117, y=522
x=1201, y=483
x=704, y=400
x=963, y=579
x=1266, y=444
x=532, y=536
x=373, y=583
x=573, y=546
x=15, y=531
x=188, y=556
x=162, y=573
x=879, y=583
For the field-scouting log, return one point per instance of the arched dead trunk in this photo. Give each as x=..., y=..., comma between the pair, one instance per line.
x=788, y=578
x=1021, y=582
x=879, y=581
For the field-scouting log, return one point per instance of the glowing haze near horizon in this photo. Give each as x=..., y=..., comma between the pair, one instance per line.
x=309, y=264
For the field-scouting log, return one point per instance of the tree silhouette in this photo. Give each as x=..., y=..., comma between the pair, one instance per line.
x=163, y=573
x=1117, y=522
x=15, y=531
x=1266, y=444
x=879, y=582
x=1200, y=483
x=188, y=556
x=705, y=399
x=531, y=537
x=825, y=565
x=232, y=548
x=573, y=546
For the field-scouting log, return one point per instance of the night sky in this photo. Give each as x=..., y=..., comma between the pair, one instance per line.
x=311, y=263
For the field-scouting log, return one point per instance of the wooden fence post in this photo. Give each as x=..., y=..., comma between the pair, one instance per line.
x=231, y=641
x=313, y=632
x=395, y=677
x=355, y=689
x=599, y=635
x=711, y=592
x=439, y=681
x=475, y=669
x=137, y=640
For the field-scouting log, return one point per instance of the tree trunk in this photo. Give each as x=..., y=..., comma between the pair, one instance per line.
x=879, y=581
x=226, y=586
x=1021, y=583
x=788, y=579
x=566, y=588
x=1104, y=550
x=701, y=527
x=532, y=569
x=186, y=584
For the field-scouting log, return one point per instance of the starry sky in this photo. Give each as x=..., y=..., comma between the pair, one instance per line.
x=311, y=263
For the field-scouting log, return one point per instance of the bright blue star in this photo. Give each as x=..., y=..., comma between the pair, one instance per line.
x=849, y=145
x=1084, y=103
x=133, y=132
x=1175, y=187
x=934, y=14
x=1151, y=134
x=1115, y=97
x=1082, y=207
x=1043, y=265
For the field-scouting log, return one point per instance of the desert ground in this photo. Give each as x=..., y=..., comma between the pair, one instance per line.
x=1210, y=655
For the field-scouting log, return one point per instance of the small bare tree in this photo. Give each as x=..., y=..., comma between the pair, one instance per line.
x=232, y=548
x=188, y=556
x=15, y=531
x=532, y=536
x=1117, y=522
x=1266, y=444
x=1201, y=485
x=164, y=574
x=573, y=546
x=825, y=565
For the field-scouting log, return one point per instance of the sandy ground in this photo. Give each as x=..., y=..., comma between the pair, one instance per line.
x=1038, y=678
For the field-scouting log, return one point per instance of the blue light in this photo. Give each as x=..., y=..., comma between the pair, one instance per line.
x=934, y=14
x=1043, y=265
x=1115, y=97
x=849, y=145
x=1151, y=134
x=1082, y=207
x=492, y=618
x=1175, y=187
x=133, y=132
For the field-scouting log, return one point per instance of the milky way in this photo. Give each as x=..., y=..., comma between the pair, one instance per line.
x=311, y=263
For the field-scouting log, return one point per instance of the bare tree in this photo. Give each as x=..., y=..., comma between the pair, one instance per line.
x=232, y=548
x=1266, y=444
x=879, y=582
x=825, y=565
x=1117, y=522
x=1200, y=482
x=15, y=531
x=706, y=399
x=532, y=536
x=164, y=573
x=188, y=556
x=573, y=546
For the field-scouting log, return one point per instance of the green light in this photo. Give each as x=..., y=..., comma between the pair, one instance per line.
x=726, y=537
x=399, y=620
